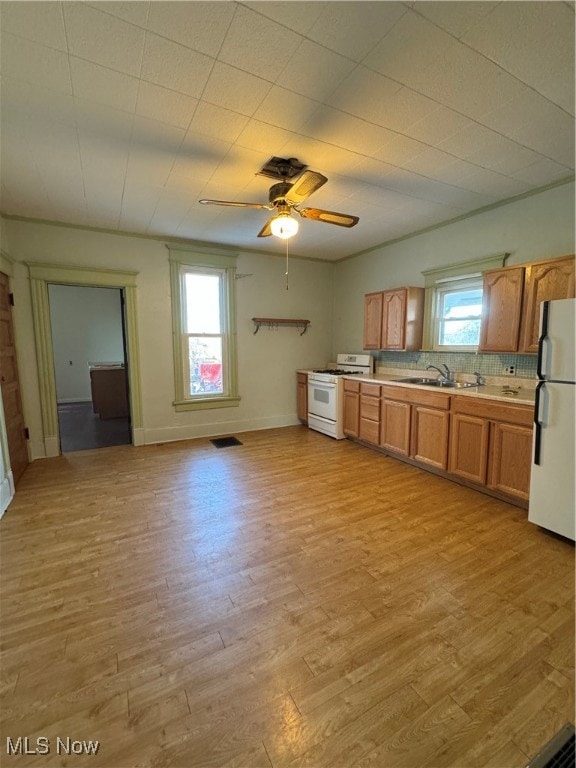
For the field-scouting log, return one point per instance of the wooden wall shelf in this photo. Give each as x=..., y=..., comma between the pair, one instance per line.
x=274, y=322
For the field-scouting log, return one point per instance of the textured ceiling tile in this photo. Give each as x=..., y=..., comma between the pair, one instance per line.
x=258, y=45
x=268, y=138
x=41, y=22
x=103, y=39
x=201, y=26
x=438, y=126
x=134, y=11
x=174, y=66
x=34, y=63
x=536, y=123
x=364, y=93
x=329, y=69
x=297, y=15
x=399, y=149
x=488, y=149
x=456, y=18
x=542, y=172
x=164, y=105
x=100, y=120
x=351, y=32
x=102, y=85
x=236, y=90
x=285, y=109
x=346, y=131
x=548, y=27
x=430, y=61
x=217, y=122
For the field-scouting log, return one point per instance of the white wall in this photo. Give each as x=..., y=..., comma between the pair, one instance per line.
x=86, y=327
x=267, y=361
x=537, y=227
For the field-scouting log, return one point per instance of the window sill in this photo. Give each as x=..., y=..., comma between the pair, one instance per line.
x=205, y=403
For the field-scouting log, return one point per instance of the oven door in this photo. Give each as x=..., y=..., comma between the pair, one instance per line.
x=322, y=399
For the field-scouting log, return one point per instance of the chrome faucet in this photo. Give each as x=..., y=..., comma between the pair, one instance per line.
x=446, y=374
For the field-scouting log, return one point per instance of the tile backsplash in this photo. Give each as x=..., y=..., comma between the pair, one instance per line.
x=460, y=362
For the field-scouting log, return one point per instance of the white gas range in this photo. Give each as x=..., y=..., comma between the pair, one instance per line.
x=326, y=393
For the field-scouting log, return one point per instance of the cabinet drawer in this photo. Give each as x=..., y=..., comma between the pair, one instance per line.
x=370, y=408
x=351, y=386
x=372, y=390
x=369, y=431
x=417, y=396
x=494, y=410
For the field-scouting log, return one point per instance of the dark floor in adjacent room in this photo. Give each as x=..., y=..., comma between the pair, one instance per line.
x=82, y=429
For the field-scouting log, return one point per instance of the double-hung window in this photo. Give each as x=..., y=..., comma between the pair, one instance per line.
x=453, y=305
x=204, y=335
x=458, y=314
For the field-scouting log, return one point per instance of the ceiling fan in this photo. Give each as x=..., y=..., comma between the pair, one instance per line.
x=287, y=195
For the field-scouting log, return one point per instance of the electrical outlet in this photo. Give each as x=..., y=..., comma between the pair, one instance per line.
x=509, y=370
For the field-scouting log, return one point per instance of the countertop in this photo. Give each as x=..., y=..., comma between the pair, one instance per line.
x=512, y=393
x=518, y=391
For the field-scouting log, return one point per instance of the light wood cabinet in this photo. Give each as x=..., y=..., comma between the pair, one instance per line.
x=369, y=423
x=373, y=320
x=395, y=427
x=501, y=309
x=393, y=319
x=545, y=281
x=511, y=302
x=510, y=459
x=351, y=407
x=415, y=423
x=491, y=445
x=302, y=397
x=430, y=431
x=469, y=447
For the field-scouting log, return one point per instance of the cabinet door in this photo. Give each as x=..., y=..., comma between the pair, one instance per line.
x=372, y=320
x=469, y=447
x=394, y=319
x=430, y=436
x=351, y=413
x=395, y=427
x=510, y=459
x=501, y=310
x=545, y=281
x=302, y=397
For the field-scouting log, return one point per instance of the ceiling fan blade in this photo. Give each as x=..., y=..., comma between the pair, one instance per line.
x=307, y=183
x=233, y=204
x=329, y=217
x=265, y=231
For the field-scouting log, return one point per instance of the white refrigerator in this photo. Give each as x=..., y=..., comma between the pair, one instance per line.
x=552, y=482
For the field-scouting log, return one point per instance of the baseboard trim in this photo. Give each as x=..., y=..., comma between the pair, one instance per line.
x=173, y=434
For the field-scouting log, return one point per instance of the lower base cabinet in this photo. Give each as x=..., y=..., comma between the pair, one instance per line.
x=510, y=459
x=484, y=443
x=491, y=445
x=302, y=397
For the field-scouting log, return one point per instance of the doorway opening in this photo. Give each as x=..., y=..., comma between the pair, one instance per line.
x=88, y=327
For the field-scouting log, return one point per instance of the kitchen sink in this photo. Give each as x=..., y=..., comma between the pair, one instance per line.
x=437, y=382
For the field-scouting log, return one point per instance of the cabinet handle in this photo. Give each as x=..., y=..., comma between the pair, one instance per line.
x=537, y=423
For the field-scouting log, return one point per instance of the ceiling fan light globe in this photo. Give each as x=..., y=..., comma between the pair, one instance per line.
x=284, y=226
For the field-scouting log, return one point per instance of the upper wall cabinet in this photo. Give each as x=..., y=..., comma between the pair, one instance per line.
x=511, y=303
x=501, y=309
x=545, y=281
x=393, y=319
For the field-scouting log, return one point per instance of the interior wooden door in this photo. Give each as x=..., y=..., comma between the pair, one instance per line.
x=10, y=384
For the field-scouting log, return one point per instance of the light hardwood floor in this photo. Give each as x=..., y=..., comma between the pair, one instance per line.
x=294, y=601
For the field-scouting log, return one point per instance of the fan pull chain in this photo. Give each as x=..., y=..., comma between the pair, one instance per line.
x=286, y=264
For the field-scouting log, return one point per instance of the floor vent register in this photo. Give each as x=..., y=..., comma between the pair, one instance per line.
x=558, y=753
x=225, y=442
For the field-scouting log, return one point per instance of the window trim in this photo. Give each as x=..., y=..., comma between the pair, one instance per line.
x=435, y=278
x=453, y=286
x=182, y=258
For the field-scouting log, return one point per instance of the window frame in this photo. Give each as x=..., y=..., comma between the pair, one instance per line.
x=447, y=287
x=436, y=279
x=207, y=261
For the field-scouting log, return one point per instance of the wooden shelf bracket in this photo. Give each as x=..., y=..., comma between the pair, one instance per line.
x=274, y=322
